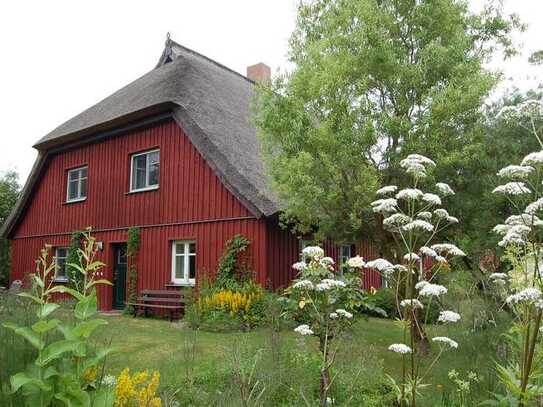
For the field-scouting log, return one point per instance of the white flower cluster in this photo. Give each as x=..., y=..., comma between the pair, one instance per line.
x=356, y=262
x=534, y=207
x=528, y=108
x=427, y=251
x=415, y=165
x=418, y=224
x=445, y=340
x=524, y=219
x=344, y=313
x=411, y=303
x=303, y=284
x=512, y=188
x=444, y=189
x=432, y=199
x=498, y=278
x=409, y=193
x=313, y=252
x=425, y=215
x=396, y=220
x=400, y=348
x=443, y=214
x=389, y=189
x=516, y=171
x=299, y=266
x=384, y=206
x=447, y=248
x=304, y=330
x=514, y=235
x=109, y=380
x=533, y=159
x=328, y=284
x=431, y=290
x=527, y=295
x=326, y=261
x=411, y=257
x=381, y=265
x=448, y=316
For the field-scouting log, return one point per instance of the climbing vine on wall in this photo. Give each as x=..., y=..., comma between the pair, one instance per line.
x=132, y=250
x=233, y=267
x=73, y=257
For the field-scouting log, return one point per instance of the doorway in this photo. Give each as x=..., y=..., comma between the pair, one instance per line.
x=119, y=275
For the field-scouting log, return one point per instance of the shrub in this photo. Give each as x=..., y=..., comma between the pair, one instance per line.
x=384, y=299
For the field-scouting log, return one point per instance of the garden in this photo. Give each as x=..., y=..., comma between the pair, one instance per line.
x=384, y=130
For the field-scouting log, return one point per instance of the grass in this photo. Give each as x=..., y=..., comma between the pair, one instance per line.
x=177, y=351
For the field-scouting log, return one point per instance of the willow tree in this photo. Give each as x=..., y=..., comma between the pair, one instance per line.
x=372, y=81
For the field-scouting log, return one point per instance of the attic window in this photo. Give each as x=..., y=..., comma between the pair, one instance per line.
x=77, y=185
x=145, y=171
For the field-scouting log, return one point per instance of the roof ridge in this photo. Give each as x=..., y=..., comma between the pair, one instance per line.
x=212, y=61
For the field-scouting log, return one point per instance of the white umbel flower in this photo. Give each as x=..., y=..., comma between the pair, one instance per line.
x=447, y=248
x=524, y=219
x=512, y=188
x=498, y=276
x=303, y=284
x=411, y=257
x=396, y=220
x=411, y=303
x=333, y=315
x=389, y=189
x=445, y=340
x=344, y=313
x=421, y=159
x=409, y=193
x=304, y=330
x=425, y=215
x=432, y=199
x=444, y=189
x=356, y=262
x=326, y=261
x=527, y=295
x=534, y=207
x=441, y=213
x=448, y=316
x=384, y=206
x=328, y=284
x=432, y=290
x=418, y=224
x=533, y=159
x=381, y=265
x=299, y=266
x=313, y=252
x=516, y=171
x=427, y=251
x=400, y=348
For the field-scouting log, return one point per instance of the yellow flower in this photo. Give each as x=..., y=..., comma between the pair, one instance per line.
x=131, y=391
x=89, y=375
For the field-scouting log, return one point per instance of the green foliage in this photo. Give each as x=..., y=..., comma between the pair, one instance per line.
x=372, y=82
x=9, y=193
x=57, y=375
x=384, y=299
x=232, y=268
x=74, y=276
x=132, y=250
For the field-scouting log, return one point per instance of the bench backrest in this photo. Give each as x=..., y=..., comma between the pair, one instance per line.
x=161, y=294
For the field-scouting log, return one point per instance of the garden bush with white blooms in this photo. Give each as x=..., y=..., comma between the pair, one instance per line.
x=324, y=303
x=521, y=237
x=415, y=217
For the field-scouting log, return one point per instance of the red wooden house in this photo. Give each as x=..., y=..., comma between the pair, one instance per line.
x=173, y=153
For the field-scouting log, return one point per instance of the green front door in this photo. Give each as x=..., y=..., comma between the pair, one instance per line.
x=119, y=276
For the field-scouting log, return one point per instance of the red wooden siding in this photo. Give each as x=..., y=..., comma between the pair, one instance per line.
x=189, y=190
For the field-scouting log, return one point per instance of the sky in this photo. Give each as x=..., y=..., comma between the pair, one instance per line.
x=60, y=57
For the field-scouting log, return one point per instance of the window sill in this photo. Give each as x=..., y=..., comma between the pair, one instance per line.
x=173, y=284
x=136, y=191
x=73, y=201
x=61, y=281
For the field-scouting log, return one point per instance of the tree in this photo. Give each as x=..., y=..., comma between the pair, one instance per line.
x=9, y=193
x=372, y=82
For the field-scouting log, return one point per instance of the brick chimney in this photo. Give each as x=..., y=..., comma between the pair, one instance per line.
x=259, y=73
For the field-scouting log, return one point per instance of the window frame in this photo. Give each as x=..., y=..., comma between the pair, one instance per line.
x=57, y=278
x=79, y=198
x=341, y=258
x=186, y=280
x=147, y=187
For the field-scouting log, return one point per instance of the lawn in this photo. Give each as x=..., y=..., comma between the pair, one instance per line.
x=205, y=359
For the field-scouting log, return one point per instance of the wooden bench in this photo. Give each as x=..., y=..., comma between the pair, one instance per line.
x=169, y=300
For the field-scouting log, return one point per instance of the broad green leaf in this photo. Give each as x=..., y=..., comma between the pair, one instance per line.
x=46, y=309
x=21, y=379
x=85, y=329
x=26, y=333
x=102, y=281
x=55, y=350
x=32, y=297
x=66, y=290
x=86, y=307
x=45, y=326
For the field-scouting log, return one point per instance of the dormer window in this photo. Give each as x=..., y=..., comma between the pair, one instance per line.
x=145, y=171
x=77, y=184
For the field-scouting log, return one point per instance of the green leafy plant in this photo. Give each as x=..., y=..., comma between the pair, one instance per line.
x=74, y=276
x=232, y=268
x=132, y=250
x=58, y=375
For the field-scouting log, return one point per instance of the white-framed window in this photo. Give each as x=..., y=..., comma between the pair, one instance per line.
x=145, y=171
x=184, y=262
x=76, y=189
x=61, y=254
x=344, y=254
